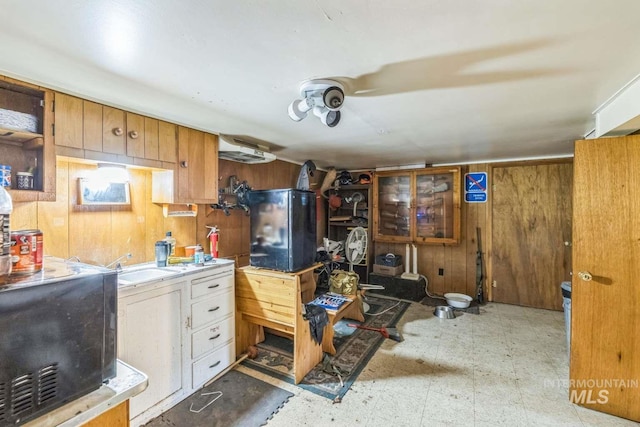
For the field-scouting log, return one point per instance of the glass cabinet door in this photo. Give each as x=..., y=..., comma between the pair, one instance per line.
x=434, y=206
x=394, y=206
x=419, y=206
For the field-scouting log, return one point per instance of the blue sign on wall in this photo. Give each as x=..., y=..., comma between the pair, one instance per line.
x=475, y=187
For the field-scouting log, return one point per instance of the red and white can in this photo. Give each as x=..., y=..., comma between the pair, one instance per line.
x=26, y=251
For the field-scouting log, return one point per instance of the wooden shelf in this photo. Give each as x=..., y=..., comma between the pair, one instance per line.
x=22, y=137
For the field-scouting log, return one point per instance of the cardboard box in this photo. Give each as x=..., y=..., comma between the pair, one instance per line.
x=387, y=271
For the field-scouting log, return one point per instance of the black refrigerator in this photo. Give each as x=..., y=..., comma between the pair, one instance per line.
x=283, y=229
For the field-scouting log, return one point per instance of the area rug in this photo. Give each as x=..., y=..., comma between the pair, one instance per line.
x=233, y=400
x=354, y=348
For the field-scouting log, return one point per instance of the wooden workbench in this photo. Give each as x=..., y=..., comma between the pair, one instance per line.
x=274, y=299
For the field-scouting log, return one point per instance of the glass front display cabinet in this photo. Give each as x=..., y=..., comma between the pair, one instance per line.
x=417, y=206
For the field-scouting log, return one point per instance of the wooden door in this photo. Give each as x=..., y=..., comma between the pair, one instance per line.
x=531, y=229
x=605, y=308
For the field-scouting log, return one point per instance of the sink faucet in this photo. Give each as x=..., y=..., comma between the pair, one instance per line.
x=117, y=262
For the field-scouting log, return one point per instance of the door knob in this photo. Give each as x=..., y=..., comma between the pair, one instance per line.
x=585, y=275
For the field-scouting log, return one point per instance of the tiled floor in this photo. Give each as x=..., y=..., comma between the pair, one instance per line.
x=504, y=367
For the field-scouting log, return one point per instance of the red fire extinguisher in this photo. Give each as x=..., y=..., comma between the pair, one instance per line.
x=213, y=240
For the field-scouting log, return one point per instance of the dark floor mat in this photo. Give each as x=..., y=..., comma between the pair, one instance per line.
x=245, y=401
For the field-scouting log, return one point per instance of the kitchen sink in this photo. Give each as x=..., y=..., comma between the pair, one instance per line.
x=144, y=275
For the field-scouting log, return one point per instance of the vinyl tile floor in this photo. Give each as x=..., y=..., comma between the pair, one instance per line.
x=507, y=366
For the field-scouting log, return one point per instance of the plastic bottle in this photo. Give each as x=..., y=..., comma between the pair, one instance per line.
x=172, y=241
x=6, y=207
x=198, y=256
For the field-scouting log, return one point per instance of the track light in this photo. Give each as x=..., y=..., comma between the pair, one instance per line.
x=328, y=117
x=324, y=97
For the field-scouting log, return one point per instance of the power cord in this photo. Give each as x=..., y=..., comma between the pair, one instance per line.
x=426, y=289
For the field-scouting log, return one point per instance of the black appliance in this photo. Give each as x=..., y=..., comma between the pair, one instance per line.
x=283, y=229
x=57, y=337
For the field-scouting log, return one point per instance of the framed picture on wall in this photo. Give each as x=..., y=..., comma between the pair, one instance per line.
x=99, y=192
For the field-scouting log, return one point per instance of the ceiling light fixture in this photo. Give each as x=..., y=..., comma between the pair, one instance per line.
x=324, y=97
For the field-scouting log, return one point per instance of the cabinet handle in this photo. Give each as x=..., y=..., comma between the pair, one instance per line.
x=183, y=164
x=117, y=131
x=214, y=309
x=215, y=364
x=213, y=286
x=213, y=338
x=133, y=134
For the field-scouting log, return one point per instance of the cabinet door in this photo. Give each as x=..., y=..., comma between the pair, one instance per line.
x=437, y=206
x=135, y=136
x=68, y=116
x=392, y=207
x=420, y=206
x=113, y=135
x=150, y=331
x=167, y=143
x=92, y=121
x=150, y=138
x=198, y=166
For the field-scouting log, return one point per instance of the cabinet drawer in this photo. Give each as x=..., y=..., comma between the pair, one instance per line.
x=211, y=284
x=211, y=365
x=211, y=337
x=212, y=309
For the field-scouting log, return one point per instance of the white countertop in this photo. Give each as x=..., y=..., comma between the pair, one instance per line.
x=127, y=383
x=166, y=273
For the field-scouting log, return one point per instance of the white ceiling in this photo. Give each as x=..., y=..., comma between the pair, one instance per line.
x=426, y=81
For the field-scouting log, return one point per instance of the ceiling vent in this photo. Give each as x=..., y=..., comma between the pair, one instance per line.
x=238, y=150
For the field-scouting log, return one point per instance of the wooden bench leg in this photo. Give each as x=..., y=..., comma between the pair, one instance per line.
x=351, y=311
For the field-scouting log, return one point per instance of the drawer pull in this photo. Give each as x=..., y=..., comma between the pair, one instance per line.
x=213, y=338
x=215, y=364
x=213, y=286
x=214, y=309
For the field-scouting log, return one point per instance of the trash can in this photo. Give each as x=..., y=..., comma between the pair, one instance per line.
x=566, y=304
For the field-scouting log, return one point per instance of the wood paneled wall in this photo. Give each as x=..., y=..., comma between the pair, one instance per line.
x=457, y=261
x=234, y=239
x=100, y=234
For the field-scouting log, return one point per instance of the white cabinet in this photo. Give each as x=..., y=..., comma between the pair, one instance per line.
x=212, y=334
x=180, y=332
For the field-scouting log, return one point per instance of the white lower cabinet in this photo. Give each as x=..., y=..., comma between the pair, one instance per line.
x=180, y=333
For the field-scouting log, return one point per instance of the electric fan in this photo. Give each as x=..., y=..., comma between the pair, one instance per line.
x=355, y=198
x=355, y=247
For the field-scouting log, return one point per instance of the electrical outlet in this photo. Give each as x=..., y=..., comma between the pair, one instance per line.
x=441, y=272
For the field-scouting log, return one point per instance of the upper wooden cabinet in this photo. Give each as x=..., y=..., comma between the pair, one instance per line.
x=93, y=131
x=195, y=177
x=26, y=138
x=197, y=166
x=417, y=206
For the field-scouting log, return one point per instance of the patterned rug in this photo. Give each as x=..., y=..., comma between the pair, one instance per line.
x=333, y=377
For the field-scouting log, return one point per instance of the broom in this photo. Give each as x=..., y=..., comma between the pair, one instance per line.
x=391, y=333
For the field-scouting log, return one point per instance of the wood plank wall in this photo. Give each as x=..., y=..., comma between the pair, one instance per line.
x=234, y=240
x=100, y=234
